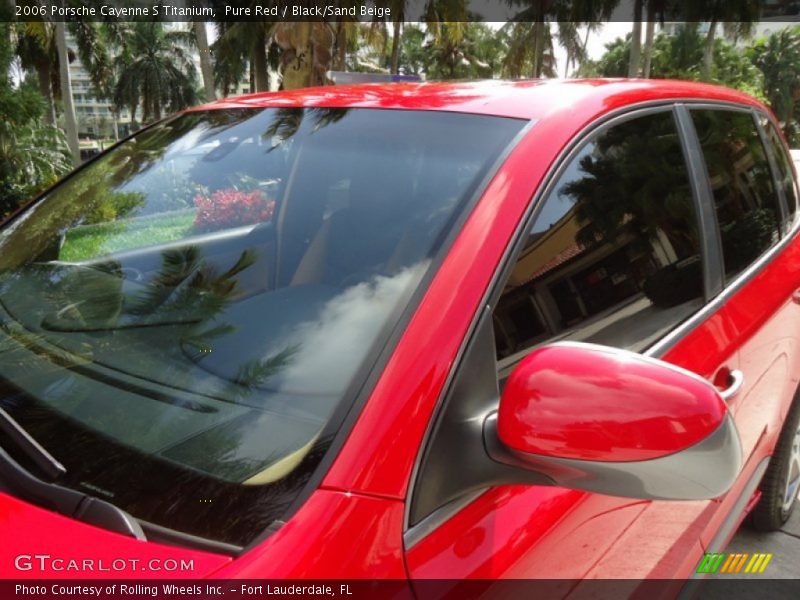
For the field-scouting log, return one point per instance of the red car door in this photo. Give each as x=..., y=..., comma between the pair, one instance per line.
x=752, y=190
x=613, y=256
x=747, y=340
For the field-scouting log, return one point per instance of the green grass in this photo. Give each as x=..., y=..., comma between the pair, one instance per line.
x=90, y=241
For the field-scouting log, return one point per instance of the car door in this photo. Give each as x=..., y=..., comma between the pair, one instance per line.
x=745, y=339
x=752, y=190
x=614, y=254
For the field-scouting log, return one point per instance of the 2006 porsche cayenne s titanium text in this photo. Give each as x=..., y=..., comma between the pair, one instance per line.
x=535, y=329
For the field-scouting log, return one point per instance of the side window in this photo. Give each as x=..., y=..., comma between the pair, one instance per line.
x=785, y=171
x=742, y=185
x=614, y=255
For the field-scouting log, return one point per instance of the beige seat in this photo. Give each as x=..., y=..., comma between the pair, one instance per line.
x=312, y=265
x=345, y=248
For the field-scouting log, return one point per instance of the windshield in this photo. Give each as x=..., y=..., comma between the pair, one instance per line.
x=182, y=320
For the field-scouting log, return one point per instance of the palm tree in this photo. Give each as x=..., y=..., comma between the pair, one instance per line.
x=464, y=51
x=155, y=70
x=655, y=11
x=303, y=52
x=569, y=37
x=346, y=29
x=37, y=50
x=398, y=8
x=307, y=52
x=379, y=36
x=412, y=52
x=530, y=49
x=35, y=47
x=654, y=8
x=92, y=42
x=231, y=52
x=241, y=42
x=636, y=39
x=201, y=39
x=42, y=47
x=531, y=36
x=359, y=46
x=32, y=154
x=738, y=18
x=445, y=21
x=778, y=58
x=70, y=121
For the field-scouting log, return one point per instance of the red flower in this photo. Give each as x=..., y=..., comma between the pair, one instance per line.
x=231, y=208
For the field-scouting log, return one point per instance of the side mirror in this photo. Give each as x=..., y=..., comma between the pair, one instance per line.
x=613, y=422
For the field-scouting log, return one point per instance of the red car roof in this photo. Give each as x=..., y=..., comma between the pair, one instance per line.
x=533, y=99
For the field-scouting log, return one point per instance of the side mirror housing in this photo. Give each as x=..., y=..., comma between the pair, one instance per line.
x=610, y=421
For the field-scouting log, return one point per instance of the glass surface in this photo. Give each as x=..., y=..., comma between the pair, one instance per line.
x=785, y=172
x=741, y=181
x=184, y=321
x=614, y=255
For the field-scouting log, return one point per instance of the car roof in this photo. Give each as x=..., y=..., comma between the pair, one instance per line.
x=532, y=99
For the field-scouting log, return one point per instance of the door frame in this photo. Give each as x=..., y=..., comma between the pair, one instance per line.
x=716, y=291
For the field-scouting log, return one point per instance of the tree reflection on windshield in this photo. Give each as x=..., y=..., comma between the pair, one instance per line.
x=197, y=307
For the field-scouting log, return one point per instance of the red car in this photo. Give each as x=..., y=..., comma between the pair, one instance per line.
x=414, y=331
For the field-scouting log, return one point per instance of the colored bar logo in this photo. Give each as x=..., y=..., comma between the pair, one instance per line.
x=734, y=562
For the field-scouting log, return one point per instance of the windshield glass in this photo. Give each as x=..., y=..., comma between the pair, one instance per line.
x=181, y=319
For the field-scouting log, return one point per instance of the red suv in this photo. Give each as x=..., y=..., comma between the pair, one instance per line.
x=529, y=330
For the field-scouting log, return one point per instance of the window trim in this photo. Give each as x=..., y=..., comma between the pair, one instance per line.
x=774, y=169
x=671, y=340
x=789, y=219
x=713, y=266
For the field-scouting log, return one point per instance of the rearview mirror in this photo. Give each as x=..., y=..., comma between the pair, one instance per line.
x=610, y=421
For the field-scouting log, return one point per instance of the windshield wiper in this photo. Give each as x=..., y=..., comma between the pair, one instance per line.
x=43, y=459
x=20, y=483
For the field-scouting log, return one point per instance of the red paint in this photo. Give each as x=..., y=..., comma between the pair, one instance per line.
x=594, y=403
x=353, y=525
x=762, y=329
x=524, y=531
x=334, y=535
x=28, y=531
x=520, y=99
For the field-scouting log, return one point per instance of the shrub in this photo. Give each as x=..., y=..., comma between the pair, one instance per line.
x=32, y=155
x=746, y=238
x=230, y=208
x=675, y=284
